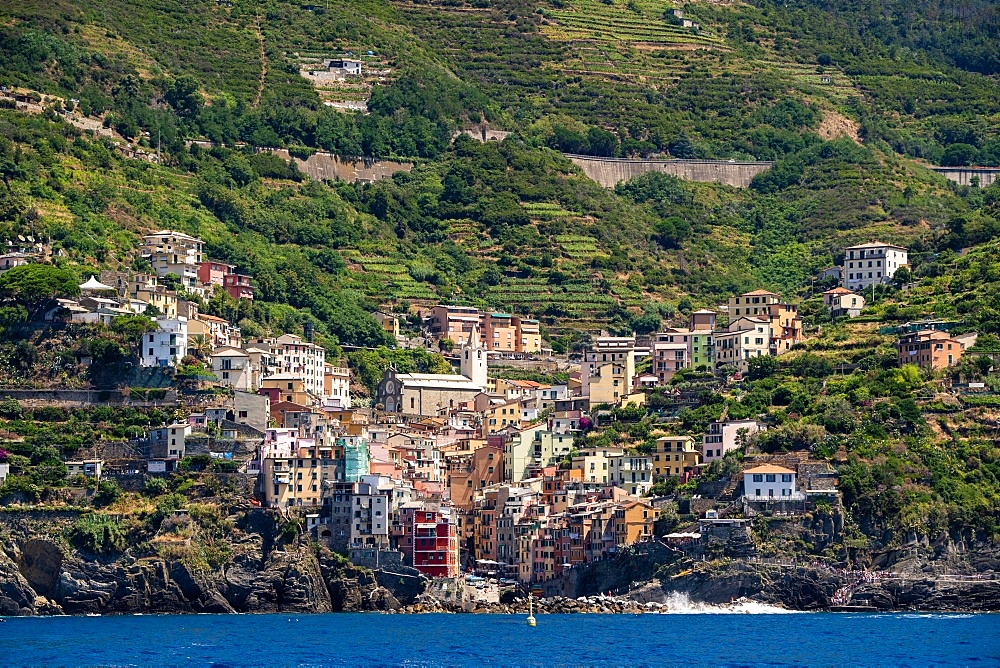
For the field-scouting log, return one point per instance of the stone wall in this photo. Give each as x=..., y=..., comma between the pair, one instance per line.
x=609, y=171
x=75, y=398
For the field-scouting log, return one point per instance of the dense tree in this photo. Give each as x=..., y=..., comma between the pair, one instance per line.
x=37, y=286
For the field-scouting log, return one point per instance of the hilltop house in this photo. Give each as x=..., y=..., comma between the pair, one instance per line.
x=868, y=264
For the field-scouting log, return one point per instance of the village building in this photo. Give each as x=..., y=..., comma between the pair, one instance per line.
x=389, y=322
x=769, y=482
x=336, y=386
x=528, y=339
x=675, y=456
x=870, y=264
x=166, y=346
x=671, y=352
x=454, y=323
x=233, y=369
x=608, y=369
x=632, y=473
x=723, y=437
x=294, y=356
x=933, y=349
x=634, y=522
x=499, y=332
x=286, y=387
x=174, y=253
x=842, y=303
x=747, y=338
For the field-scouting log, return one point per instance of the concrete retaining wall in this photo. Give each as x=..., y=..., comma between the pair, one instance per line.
x=609, y=171
x=963, y=175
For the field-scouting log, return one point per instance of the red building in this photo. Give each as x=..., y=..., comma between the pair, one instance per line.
x=238, y=286
x=432, y=543
x=213, y=273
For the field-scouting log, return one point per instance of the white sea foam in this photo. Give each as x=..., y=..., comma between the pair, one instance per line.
x=681, y=604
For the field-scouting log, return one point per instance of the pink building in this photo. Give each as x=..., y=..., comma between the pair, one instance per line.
x=238, y=286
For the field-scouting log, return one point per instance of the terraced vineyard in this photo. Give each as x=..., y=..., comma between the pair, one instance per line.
x=636, y=23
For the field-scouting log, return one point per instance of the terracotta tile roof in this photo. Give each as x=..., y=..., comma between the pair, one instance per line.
x=768, y=468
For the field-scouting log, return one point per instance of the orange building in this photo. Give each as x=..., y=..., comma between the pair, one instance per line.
x=933, y=349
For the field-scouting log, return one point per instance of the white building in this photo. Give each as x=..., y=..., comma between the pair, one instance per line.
x=336, y=386
x=174, y=253
x=770, y=483
x=233, y=369
x=633, y=473
x=722, y=437
x=167, y=345
x=292, y=355
x=871, y=263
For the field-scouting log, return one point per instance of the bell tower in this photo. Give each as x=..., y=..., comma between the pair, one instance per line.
x=473, y=359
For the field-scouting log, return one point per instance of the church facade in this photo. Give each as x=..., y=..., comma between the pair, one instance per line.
x=431, y=394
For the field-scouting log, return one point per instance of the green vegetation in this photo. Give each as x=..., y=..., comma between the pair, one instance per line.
x=840, y=98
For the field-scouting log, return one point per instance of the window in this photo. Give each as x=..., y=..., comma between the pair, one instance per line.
x=770, y=478
x=786, y=477
x=757, y=477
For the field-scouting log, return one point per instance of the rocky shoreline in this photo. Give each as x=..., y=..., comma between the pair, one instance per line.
x=43, y=574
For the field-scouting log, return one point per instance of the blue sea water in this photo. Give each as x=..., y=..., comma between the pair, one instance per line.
x=413, y=641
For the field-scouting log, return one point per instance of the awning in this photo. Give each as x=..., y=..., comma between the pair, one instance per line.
x=94, y=284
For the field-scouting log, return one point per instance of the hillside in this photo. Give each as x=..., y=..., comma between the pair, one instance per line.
x=515, y=226
x=125, y=117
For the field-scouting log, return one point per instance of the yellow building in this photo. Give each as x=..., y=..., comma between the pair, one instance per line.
x=529, y=337
x=634, y=522
x=752, y=303
x=297, y=481
x=286, y=387
x=499, y=417
x=389, y=322
x=675, y=456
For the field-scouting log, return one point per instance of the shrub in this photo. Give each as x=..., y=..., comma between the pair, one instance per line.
x=108, y=492
x=98, y=533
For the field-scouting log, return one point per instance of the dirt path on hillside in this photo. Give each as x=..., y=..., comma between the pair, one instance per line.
x=263, y=63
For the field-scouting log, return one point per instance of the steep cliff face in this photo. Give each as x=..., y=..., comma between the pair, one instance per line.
x=42, y=573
